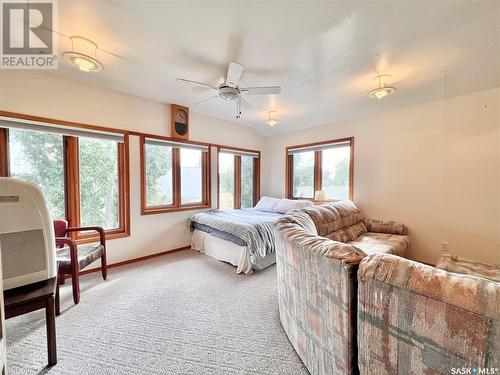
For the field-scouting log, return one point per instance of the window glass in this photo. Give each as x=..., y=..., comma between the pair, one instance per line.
x=335, y=172
x=159, y=180
x=191, y=176
x=247, y=183
x=303, y=174
x=226, y=181
x=99, y=187
x=39, y=158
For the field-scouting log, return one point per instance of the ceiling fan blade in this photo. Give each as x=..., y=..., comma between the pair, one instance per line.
x=183, y=80
x=244, y=103
x=265, y=90
x=208, y=99
x=233, y=74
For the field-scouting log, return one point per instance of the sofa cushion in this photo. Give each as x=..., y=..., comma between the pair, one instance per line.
x=293, y=228
x=382, y=226
x=347, y=234
x=382, y=243
x=331, y=217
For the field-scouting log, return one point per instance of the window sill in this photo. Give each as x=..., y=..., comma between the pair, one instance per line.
x=109, y=235
x=162, y=210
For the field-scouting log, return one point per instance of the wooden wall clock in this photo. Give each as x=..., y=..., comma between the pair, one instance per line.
x=179, y=122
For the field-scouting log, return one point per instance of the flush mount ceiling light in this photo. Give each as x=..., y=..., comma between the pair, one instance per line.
x=272, y=120
x=382, y=90
x=83, y=54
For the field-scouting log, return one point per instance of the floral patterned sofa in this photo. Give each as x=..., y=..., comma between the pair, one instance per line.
x=418, y=319
x=318, y=253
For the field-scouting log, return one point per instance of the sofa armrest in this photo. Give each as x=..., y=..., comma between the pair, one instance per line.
x=466, y=292
x=439, y=317
x=382, y=226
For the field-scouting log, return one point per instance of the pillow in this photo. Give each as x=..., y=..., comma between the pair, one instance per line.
x=287, y=205
x=267, y=204
x=346, y=234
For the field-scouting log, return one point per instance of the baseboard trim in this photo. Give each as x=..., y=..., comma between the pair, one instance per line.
x=134, y=260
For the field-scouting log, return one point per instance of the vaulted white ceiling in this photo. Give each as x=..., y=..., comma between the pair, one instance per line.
x=323, y=54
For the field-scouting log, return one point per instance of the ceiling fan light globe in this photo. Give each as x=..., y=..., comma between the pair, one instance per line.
x=229, y=93
x=381, y=92
x=82, y=62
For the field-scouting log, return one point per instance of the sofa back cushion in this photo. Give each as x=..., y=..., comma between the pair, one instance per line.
x=330, y=218
x=347, y=234
x=382, y=226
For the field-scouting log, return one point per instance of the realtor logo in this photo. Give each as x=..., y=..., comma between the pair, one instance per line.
x=28, y=38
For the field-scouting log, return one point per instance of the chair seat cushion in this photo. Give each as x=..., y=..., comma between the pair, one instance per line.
x=86, y=254
x=382, y=243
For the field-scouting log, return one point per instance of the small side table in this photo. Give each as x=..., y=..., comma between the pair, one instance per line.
x=28, y=298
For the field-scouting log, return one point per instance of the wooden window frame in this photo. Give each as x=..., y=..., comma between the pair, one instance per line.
x=318, y=173
x=72, y=175
x=176, y=206
x=237, y=176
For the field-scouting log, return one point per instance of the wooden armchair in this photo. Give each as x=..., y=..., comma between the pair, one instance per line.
x=73, y=258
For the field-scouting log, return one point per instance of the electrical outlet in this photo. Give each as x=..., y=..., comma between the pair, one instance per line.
x=445, y=247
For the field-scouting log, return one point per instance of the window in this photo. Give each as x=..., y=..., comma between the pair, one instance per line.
x=83, y=174
x=325, y=166
x=39, y=158
x=99, y=183
x=191, y=176
x=175, y=175
x=226, y=181
x=247, y=181
x=159, y=176
x=303, y=174
x=335, y=172
x=238, y=178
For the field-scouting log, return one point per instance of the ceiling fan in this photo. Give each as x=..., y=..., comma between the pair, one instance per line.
x=230, y=91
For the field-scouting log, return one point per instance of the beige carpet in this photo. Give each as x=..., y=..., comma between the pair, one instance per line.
x=182, y=313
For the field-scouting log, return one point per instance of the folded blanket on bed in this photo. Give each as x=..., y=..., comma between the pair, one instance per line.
x=252, y=226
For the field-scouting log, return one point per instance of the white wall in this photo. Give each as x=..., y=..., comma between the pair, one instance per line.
x=44, y=94
x=434, y=166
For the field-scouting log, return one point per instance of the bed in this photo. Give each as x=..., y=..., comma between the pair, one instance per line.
x=245, y=237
